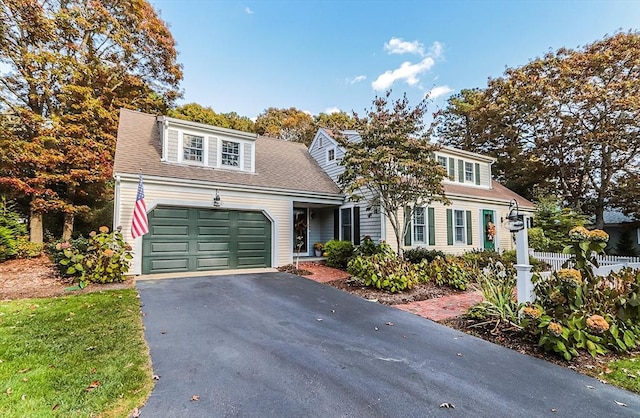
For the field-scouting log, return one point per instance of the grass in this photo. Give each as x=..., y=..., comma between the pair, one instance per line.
x=625, y=374
x=76, y=356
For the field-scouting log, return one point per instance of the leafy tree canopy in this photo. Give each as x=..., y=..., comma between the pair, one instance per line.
x=198, y=113
x=67, y=68
x=392, y=167
x=567, y=123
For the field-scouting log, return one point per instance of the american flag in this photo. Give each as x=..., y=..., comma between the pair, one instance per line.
x=139, y=224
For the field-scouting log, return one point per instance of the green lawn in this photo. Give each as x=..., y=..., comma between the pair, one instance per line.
x=82, y=355
x=625, y=374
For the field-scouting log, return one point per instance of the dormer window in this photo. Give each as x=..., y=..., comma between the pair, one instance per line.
x=230, y=154
x=331, y=154
x=193, y=148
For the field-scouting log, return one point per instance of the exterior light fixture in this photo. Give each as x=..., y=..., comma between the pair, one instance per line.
x=216, y=200
x=515, y=221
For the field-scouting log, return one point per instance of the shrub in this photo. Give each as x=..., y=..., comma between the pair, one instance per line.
x=103, y=258
x=369, y=247
x=27, y=249
x=449, y=271
x=509, y=257
x=338, y=253
x=11, y=227
x=480, y=258
x=416, y=255
x=384, y=271
x=56, y=253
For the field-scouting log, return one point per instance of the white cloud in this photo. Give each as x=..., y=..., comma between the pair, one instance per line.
x=358, y=79
x=408, y=72
x=248, y=11
x=436, y=50
x=439, y=91
x=331, y=110
x=398, y=46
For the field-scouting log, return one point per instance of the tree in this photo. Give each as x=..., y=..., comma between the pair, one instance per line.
x=288, y=124
x=393, y=166
x=337, y=121
x=555, y=222
x=68, y=67
x=567, y=123
x=198, y=113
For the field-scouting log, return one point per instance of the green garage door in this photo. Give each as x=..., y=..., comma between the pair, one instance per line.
x=189, y=239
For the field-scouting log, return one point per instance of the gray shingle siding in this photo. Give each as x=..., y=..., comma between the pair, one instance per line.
x=172, y=145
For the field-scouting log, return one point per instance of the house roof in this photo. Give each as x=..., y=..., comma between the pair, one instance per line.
x=279, y=164
x=497, y=192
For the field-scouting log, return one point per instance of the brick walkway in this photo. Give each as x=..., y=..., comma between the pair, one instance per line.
x=435, y=309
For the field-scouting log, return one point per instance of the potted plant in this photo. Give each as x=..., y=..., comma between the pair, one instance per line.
x=317, y=249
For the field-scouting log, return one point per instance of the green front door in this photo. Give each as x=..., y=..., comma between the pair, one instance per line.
x=191, y=239
x=489, y=228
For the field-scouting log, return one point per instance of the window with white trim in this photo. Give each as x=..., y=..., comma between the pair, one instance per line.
x=468, y=171
x=443, y=161
x=459, y=227
x=230, y=154
x=331, y=154
x=420, y=225
x=193, y=148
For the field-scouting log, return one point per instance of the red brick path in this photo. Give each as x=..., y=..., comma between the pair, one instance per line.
x=435, y=309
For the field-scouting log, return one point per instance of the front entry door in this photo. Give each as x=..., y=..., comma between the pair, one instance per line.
x=489, y=228
x=300, y=231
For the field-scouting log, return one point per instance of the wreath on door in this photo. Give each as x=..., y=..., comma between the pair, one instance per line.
x=491, y=231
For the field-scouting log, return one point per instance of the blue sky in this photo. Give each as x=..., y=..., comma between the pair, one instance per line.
x=318, y=56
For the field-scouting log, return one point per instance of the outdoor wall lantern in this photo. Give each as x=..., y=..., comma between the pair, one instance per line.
x=216, y=200
x=514, y=221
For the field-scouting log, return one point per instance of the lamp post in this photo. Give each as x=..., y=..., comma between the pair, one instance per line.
x=516, y=222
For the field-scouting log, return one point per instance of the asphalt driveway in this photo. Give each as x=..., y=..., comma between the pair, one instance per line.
x=278, y=345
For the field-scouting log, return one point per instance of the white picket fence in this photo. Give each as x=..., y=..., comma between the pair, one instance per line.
x=608, y=263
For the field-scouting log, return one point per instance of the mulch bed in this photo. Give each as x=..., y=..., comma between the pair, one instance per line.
x=421, y=291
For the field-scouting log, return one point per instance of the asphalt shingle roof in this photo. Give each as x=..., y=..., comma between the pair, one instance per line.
x=497, y=192
x=279, y=164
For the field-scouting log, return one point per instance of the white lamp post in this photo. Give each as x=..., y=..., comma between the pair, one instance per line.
x=516, y=223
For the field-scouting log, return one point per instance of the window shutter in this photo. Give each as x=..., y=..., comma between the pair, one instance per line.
x=336, y=224
x=477, y=169
x=356, y=225
x=461, y=171
x=449, y=227
x=469, y=229
x=432, y=226
x=452, y=169
x=407, y=236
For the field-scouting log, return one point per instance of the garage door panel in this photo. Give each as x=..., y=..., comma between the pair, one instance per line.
x=173, y=213
x=191, y=239
x=212, y=263
x=217, y=215
x=169, y=265
x=222, y=231
x=170, y=247
x=169, y=230
x=212, y=246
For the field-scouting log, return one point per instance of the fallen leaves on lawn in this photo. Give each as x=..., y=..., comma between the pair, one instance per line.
x=93, y=385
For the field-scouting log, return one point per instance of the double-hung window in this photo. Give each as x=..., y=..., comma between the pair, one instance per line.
x=331, y=154
x=459, y=227
x=468, y=171
x=443, y=161
x=193, y=148
x=346, y=224
x=419, y=225
x=230, y=154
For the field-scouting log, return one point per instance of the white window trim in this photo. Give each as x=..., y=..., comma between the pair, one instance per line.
x=335, y=156
x=240, y=160
x=425, y=225
x=464, y=227
x=342, y=238
x=205, y=148
x=473, y=179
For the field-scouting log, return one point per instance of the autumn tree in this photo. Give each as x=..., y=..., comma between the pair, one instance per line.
x=288, y=124
x=336, y=121
x=67, y=68
x=567, y=123
x=392, y=167
x=201, y=114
